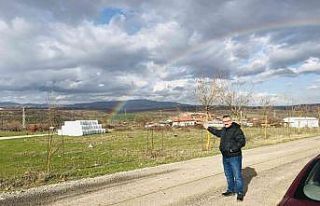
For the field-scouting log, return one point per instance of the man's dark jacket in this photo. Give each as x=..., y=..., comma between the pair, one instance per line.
x=232, y=139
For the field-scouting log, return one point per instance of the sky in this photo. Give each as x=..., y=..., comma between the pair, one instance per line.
x=101, y=50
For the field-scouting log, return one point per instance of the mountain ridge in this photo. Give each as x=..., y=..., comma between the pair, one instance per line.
x=129, y=105
x=132, y=105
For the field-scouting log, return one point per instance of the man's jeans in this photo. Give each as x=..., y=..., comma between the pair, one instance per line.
x=232, y=169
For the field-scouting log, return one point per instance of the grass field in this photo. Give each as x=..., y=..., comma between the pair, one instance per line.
x=23, y=161
x=12, y=133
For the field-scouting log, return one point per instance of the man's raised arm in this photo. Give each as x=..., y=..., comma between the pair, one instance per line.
x=212, y=130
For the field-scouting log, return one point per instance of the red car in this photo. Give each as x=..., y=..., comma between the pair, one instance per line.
x=305, y=189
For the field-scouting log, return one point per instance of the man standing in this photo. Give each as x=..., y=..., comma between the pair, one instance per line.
x=232, y=140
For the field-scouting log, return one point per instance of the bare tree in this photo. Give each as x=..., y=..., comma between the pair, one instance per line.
x=52, y=145
x=265, y=103
x=235, y=96
x=207, y=92
x=291, y=110
x=306, y=110
x=219, y=90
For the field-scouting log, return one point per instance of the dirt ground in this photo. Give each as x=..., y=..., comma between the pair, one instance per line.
x=268, y=171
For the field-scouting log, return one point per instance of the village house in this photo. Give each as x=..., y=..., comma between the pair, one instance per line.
x=183, y=121
x=215, y=123
x=166, y=123
x=301, y=122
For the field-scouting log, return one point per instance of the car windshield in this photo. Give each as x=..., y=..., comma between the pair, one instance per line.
x=312, y=185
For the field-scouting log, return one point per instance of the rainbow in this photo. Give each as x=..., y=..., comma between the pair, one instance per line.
x=117, y=108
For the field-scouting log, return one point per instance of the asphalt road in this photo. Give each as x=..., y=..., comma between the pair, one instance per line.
x=268, y=171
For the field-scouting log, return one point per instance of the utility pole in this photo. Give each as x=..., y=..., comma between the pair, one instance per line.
x=23, y=118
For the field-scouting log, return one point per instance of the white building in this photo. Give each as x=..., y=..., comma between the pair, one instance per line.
x=215, y=123
x=183, y=122
x=300, y=122
x=81, y=127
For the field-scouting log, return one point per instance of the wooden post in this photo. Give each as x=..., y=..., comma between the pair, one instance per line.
x=208, y=133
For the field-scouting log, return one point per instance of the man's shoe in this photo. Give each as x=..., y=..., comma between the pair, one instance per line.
x=228, y=193
x=240, y=196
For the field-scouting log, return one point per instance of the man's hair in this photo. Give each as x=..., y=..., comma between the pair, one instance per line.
x=226, y=116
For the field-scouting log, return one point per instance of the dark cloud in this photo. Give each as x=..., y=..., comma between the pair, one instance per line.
x=71, y=11
x=151, y=48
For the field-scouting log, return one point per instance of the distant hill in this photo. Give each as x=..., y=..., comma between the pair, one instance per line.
x=129, y=106
x=17, y=105
x=134, y=105
x=9, y=104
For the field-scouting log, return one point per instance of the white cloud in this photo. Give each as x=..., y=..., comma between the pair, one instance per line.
x=312, y=64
